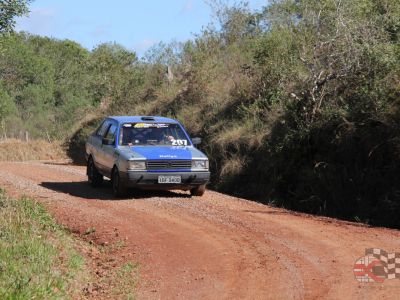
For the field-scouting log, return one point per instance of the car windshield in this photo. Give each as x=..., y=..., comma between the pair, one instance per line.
x=152, y=134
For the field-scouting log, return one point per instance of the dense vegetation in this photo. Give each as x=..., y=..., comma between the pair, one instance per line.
x=298, y=104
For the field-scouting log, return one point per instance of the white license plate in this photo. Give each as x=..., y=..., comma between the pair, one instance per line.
x=169, y=179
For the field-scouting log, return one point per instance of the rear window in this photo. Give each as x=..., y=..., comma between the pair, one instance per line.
x=152, y=134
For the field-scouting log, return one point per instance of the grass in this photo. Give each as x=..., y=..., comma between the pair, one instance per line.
x=124, y=275
x=17, y=150
x=38, y=259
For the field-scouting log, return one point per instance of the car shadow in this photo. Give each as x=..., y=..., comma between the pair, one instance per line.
x=59, y=163
x=82, y=189
x=266, y=212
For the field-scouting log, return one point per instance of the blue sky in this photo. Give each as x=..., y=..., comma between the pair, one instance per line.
x=137, y=25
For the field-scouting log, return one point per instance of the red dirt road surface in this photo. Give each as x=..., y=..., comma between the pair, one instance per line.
x=210, y=247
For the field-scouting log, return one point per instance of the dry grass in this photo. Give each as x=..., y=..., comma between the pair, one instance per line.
x=242, y=134
x=17, y=150
x=233, y=166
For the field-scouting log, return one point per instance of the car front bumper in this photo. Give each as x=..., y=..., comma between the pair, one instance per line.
x=143, y=179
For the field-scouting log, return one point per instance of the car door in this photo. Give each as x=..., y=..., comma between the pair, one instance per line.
x=98, y=145
x=109, y=149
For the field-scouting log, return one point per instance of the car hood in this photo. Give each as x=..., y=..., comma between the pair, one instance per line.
x=166, y=152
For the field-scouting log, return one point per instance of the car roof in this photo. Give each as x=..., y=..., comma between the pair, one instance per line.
x=136, y=119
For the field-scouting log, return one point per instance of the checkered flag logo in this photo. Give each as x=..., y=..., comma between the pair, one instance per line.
x=389, y=261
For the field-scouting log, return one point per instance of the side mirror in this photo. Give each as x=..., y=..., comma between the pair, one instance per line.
x=196, y=141
x=106, y=141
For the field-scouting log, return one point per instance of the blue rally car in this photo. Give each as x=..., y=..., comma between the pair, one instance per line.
x=146, y=152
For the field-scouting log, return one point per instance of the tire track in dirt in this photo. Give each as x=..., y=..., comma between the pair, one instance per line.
x=183, y=259
x=210, y=247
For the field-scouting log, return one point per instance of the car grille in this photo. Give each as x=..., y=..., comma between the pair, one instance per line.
x=168, y=164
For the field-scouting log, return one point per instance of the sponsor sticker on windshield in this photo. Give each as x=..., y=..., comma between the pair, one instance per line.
x=150, y=125
x=142, y=125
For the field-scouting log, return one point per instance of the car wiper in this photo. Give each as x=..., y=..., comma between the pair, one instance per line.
x=152, y=142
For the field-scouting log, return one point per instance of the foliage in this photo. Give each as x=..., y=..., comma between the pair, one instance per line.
x=297, y=104
x=10, y=9
x=54, y=84
x=7, y=105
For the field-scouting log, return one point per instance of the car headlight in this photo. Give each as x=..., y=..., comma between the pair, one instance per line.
x=200, y=164
x=136, y=165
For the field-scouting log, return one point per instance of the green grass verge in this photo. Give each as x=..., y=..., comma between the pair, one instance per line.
x=37, y=257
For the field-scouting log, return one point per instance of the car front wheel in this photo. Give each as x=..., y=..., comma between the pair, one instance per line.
x=119, y=189
x=198, y=190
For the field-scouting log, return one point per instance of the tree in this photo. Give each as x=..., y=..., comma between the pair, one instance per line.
x=7, y=106
x=10, y=9
x=113, y=70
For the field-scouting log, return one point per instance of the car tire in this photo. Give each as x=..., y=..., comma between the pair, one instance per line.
x=119, y=189
x=198, y=190
x=94, y=177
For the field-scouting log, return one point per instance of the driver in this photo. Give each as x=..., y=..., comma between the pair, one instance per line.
x=163, y=137
x=169, y=139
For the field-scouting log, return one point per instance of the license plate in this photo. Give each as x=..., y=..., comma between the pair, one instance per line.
x=169, y=179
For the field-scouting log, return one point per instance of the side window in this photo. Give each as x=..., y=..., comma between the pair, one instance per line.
x=111, y=132
x=98, y=128
x=103, y=128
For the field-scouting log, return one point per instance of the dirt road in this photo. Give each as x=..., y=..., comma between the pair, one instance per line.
x=210, y=247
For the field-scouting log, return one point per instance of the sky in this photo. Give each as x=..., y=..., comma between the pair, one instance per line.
x=135, y=24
